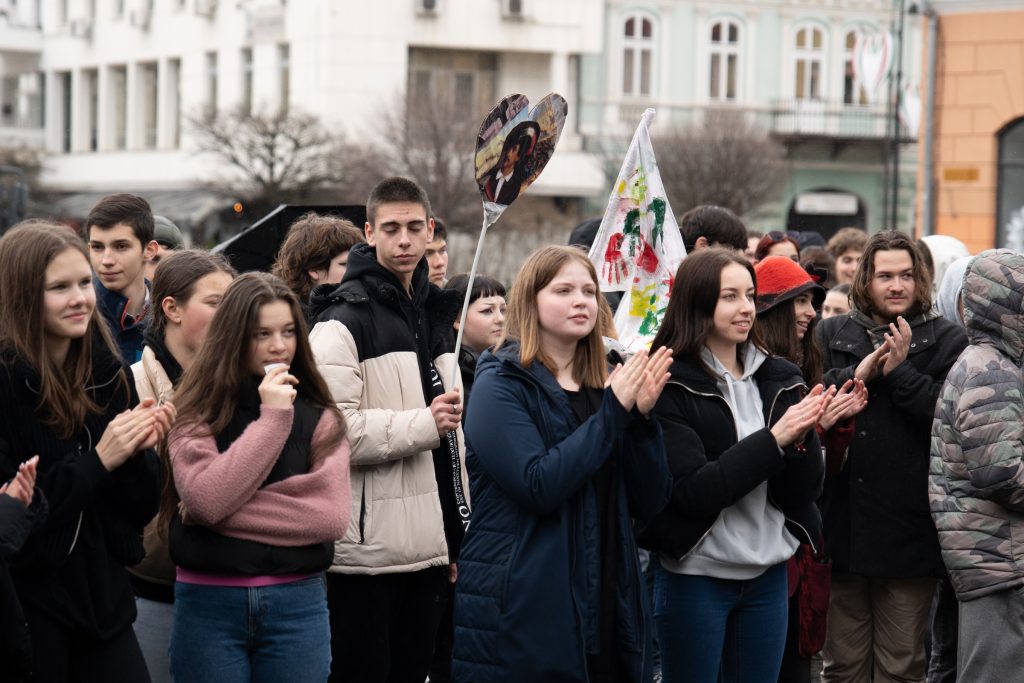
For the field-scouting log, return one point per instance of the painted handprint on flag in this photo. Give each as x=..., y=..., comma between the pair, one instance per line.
x=638, y=247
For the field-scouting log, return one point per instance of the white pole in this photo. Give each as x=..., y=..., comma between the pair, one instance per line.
x=492, y=212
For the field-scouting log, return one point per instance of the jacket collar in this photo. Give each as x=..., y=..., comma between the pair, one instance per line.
x=113, y=305
x=159, y=353
x=506, y=359
x=772, y=372
x=851, y=336
x=366, y=279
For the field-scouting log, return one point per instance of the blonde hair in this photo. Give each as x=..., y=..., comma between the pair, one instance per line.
x=522, y=321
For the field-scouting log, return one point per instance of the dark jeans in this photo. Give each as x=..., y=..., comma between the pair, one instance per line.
x=250, y=635
x=383, y=626
x=713, y=630
x=62, y=655
x=945, y=618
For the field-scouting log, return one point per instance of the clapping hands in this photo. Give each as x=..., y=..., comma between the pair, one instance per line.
x=851, y=398
x=640, y=380
x=22, y=487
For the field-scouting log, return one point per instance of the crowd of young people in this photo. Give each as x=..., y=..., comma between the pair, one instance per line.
x=214, y=477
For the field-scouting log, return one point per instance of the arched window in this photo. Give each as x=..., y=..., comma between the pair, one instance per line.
x=637, y=55
x=853, y=89
x=809, y=62
x=1010, y=190
x=723, y=80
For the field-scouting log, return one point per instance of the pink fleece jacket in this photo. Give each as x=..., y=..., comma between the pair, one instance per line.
x=222, y=490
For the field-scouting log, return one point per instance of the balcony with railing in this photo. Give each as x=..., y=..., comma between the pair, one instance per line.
x=786, y=119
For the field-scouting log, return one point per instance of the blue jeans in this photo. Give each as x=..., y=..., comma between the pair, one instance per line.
x=707, y=624
x=153, y=625
x=243, y=635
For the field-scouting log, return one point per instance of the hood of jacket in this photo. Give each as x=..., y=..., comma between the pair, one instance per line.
x=949, y=290
x=768, y=370
x=994, y=301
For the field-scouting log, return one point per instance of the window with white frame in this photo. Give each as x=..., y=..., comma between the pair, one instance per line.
x=64, y=97
x=247, y=80
x=119, y=106
x=724, y=63
x=173, y=105
x=148, y=104
x=91, y=88
x=853, y=89
x=637, y=55
x=211, y=83
x=809, y=62
x=284, y=62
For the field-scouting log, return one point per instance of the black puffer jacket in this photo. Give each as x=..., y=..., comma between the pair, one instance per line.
x=877, y=521
x=73, y=565
x=16, y=521
x=711, y=470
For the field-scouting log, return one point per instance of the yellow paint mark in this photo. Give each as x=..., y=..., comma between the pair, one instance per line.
x=640, y=301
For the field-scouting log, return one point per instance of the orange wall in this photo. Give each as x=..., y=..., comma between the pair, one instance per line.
x=979, y=89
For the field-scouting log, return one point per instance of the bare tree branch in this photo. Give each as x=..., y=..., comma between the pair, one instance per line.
x=726, y=160
x=433, y=143
x=280, y=157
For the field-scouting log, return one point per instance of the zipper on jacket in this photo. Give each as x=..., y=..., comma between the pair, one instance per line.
x=810, y=541
x=362, y=513
x=775, y=400
x=735, y=436
x=807, y=535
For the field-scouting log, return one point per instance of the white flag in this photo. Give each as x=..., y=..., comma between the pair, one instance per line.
x=638, y=248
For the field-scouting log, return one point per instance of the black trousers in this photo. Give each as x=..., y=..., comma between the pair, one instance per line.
x=383, y=627
x=61, y=655
x=441, y=667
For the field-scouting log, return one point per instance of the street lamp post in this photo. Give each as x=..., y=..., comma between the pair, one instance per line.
x=894, y=128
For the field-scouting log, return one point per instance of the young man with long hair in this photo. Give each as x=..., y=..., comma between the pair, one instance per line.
x=883, y=544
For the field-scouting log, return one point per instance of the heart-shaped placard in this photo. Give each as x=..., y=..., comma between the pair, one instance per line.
x=514, y=145
x=872, y=59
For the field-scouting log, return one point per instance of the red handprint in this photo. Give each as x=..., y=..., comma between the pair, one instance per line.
x=648, y=260
x=614, y=265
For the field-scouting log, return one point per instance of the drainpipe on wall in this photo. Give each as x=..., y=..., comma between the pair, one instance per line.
x=928, y=181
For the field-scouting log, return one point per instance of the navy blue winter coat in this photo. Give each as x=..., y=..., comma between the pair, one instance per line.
x=527, y=599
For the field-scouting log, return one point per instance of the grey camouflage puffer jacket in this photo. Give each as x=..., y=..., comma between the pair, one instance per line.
x=976, y=479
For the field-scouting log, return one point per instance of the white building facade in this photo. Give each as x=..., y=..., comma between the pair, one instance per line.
x=122, y=76
x=106, y=86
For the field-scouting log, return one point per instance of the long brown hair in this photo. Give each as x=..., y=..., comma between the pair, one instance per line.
x=777, y=329
x=522, y=321
x=691, y=308
x=208, y=394
x=890, y=240
x=176, y=277
x=25, y=253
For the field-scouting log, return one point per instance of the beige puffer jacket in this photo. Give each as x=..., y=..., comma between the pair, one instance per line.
x=396, y=523
x=151, y=381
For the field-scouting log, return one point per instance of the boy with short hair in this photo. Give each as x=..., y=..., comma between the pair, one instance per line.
x=712, y=226
x=119, y=231
x=437, y=254
x=383, y=341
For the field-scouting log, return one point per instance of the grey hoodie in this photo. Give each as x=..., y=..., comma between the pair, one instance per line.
x=950, y=288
